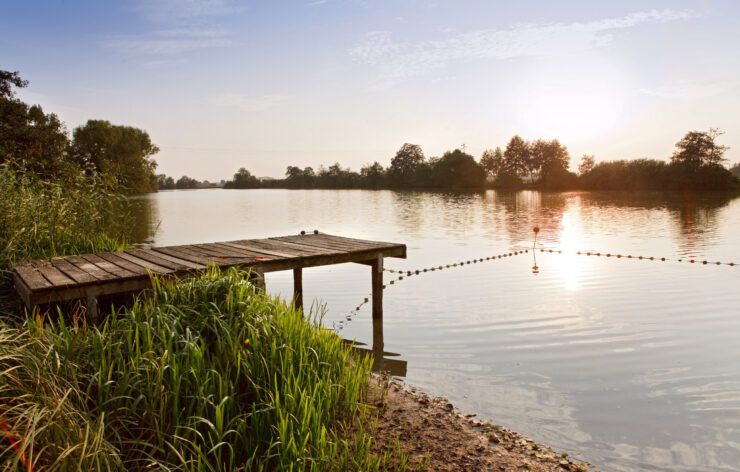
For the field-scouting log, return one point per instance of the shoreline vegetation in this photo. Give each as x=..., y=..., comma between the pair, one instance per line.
x=696, y=165
x=203, y=374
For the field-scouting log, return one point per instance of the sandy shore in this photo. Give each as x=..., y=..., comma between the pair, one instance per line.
x=432, y=430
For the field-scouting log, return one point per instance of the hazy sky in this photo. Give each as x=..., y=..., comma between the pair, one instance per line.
x=222, y=84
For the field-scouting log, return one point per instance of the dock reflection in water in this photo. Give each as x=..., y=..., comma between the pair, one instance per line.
x=383, y=362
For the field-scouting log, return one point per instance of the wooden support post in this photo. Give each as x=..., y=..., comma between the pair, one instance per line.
x=377, y=282
x=257, y=277
x=92, y=308
x=378, y=343
x=298, y=287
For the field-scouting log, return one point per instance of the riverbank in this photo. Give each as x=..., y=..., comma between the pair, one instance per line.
x=431, y=432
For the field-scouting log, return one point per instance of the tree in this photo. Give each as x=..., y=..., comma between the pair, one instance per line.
x=29, y=137
x=698, y=148
x=186, y=182
x=7, y=81
x=373, y=174
x=517, y=156
x=736, y=170
x=165, y=182
x=492, y=161
x=457, y=169
x=587, y=164
x=121, y=152
x=405, y=164
x=243, y=179
x=547, y=157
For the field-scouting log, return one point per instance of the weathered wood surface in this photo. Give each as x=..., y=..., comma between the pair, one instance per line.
x=44, y=281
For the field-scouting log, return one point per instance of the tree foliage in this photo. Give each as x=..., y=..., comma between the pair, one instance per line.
x=405, y=165
x=37, y=142
x=243, y=179
x=699, y=148
x=7, y=81
x=517, y=156
x=123, y=152
x=587, y=164
x=492, y=161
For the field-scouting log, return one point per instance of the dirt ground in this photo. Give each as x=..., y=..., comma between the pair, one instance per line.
x=431, y=430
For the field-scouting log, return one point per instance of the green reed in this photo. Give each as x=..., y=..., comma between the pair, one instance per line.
x=41, y=219
x=207, y=374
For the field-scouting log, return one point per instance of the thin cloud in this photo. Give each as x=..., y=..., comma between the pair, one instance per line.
x=168, y=11
x=683, y=89
x=252, y=103
x=399, y=61
x=169, y=42
x=317, y=3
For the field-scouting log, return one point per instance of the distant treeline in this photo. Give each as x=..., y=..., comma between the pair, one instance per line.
x=696, y=164
x=37, y=143
x=165, y=182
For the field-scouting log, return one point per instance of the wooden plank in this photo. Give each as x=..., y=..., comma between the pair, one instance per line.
x=102, y=288
x=360, y=241
x=22, y=290
x=79, y=276
x=163, y=260
x=31, y=277
x=304, y=245
x=52, y=274
x=181, y=252
x=114, y=258
x=155, y=268
x=315, y=244
x=281, y=246
x=347, y=245
x=256, y=250
x=91, y=268
x=109, y=267
x=227, y=253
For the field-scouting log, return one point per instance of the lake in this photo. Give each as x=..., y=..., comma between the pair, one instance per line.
x=628, y=364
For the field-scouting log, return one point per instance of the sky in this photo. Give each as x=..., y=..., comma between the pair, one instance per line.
x=224, y=84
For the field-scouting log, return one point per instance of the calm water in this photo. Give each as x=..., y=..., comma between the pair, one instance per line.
x=631, y=365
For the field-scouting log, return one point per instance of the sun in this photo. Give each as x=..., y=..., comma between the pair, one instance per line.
x=570, y=102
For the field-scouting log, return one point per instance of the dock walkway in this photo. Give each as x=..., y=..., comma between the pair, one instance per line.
x=89, y=276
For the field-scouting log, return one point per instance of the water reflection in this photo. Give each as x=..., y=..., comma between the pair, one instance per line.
x=629, y=364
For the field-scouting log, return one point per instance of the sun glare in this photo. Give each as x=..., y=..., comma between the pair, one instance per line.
x=569, y=264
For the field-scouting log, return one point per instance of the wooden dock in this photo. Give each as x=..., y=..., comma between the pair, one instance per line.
x=89, y=276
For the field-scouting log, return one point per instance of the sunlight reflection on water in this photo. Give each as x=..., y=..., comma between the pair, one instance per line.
x=629, y=364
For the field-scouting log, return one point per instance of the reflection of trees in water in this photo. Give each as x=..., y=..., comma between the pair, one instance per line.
x=695, y=215
x=451, y=212
x=146, y=215
x=519, y=212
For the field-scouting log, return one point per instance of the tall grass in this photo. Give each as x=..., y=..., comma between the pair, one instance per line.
x=207, y=374
x=42, y=219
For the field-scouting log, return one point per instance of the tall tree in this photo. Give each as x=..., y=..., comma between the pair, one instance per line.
x=547, y=157
x=29, y=137
x=517, y=156
x=699, y=148
x=243, y=179
x=457, y=169
x=121, y=152
x=373, y=174
x=405, y=164
x=492, y=161
x=587, y=164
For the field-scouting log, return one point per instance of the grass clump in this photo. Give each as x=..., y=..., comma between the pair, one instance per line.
x=207, y=374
